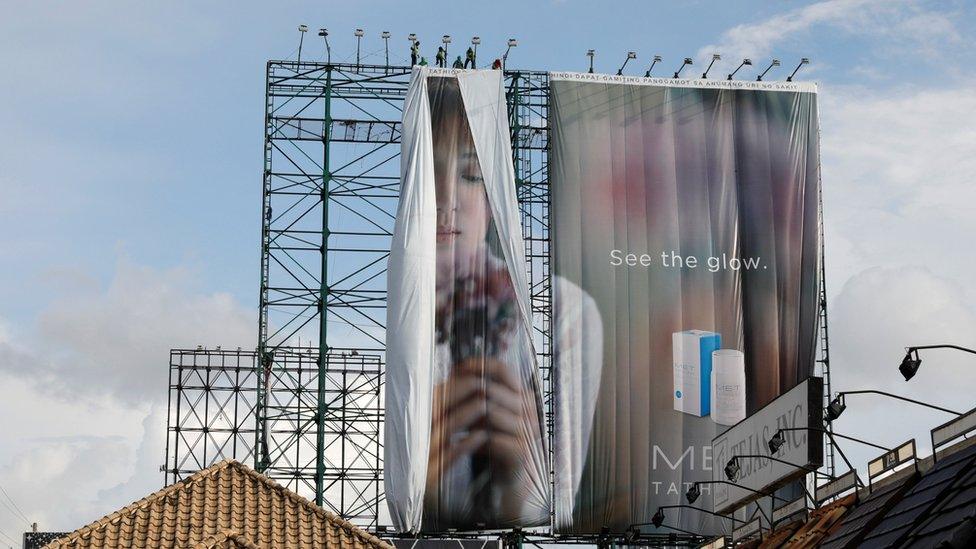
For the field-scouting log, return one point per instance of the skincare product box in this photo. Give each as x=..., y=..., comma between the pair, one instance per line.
x=728, y=386
x=692, y=360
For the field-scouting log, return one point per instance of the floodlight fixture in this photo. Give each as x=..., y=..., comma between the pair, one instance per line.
x=359, y=38
x=686, y=62
x=693, y=493
x=658, y=518
x=835, y=409
x=715, y=57
x=302, y=29
x=630, y=55
x=385, y=35
x=745, y=62
x=446, y=39
x=657, y=59
x=732, y=469
x=591, y=54
x=909, y=365
x=803, y=61
x=774, y=63
x=776, y=442
x=511, y=44
x=412, y=37
x=475, y=41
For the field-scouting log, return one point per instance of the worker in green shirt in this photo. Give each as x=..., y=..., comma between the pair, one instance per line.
x=414, y=52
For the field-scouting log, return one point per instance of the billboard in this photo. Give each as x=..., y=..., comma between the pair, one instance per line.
x=464, y=434
x=685, y=281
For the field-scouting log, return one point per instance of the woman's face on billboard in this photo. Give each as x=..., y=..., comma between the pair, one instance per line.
x=462, y=205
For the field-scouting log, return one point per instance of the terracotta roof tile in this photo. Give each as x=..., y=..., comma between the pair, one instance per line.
x=821, y=523
x=226, y=506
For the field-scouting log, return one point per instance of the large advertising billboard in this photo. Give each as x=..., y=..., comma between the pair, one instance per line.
x=465, y=444
x=685, y=281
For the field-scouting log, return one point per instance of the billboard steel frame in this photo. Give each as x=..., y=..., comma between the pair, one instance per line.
x=332, y=134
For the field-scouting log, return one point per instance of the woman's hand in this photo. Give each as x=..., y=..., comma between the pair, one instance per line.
x=483, y=408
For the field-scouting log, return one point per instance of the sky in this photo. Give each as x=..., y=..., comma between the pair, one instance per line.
x=130, y=197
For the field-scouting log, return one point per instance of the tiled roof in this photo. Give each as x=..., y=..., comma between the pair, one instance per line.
x=868, y=513
x=227, y=505
x=226, y=540
x=923, y=497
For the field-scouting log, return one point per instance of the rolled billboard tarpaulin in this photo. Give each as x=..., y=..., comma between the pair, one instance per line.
x=685, y=221
x=464, y=435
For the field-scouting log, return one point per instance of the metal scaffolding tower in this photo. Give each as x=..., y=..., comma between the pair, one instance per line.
x=330, y=192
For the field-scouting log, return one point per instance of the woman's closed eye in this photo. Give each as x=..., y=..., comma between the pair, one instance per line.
x=472, y=178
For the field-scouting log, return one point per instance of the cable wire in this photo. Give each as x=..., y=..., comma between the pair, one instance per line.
x=15, y=507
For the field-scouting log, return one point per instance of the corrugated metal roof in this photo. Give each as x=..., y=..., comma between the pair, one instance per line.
x=871, y=510
x=918, y=502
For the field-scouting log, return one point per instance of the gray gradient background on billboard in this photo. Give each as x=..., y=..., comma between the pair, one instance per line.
x=702, y=172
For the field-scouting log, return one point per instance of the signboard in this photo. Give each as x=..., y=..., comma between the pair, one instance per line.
x=799, y=408
x=953, y=429
x=890, y=461
x=747, y=530
x=685, y=281
x=837, y=486
x=787, y=510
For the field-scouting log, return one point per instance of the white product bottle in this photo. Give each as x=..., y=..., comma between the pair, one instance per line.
x=728, y=386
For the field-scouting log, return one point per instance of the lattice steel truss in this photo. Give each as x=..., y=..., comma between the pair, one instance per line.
x=331, y=185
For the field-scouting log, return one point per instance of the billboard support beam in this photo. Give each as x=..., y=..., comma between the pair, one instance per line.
x=323, y=291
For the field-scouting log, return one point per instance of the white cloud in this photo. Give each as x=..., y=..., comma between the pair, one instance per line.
x=893, y=28
x=897, y=172
x=898, y=204
x=757, y=39
x=65, y=482
x=874, y=317
x=88, y=384
x=115, y=341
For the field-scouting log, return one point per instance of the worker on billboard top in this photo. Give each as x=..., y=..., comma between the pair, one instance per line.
x=414, y=52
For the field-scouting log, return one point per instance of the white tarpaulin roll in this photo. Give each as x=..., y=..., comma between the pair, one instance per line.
x=464, y=442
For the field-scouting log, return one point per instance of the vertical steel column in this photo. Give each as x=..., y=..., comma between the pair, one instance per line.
x=323, y=298
x=263, y=363
x=824, y=335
